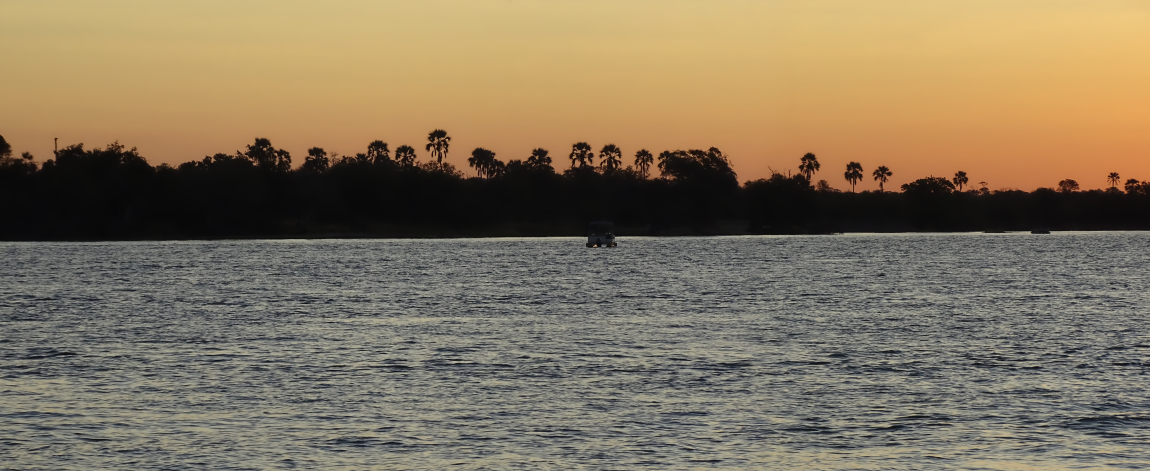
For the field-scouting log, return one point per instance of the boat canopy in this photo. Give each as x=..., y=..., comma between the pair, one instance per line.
x=602, y=227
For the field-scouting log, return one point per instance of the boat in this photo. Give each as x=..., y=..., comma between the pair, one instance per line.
x=601, y=234
x=1040, y=231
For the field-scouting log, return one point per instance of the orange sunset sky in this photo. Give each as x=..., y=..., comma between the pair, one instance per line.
x=1017, y=93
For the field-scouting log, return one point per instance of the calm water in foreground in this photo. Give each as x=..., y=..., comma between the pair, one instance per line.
x=1009, y=351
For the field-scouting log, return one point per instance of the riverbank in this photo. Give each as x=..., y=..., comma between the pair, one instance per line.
x=291, y=231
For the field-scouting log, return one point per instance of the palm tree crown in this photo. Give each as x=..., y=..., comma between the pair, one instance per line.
x=539, y=159
x=405, y=155
x=808, y=165
x=643, y=161
x=960, y=179
x=496, y=167
x=611, y=158
x=665, y=158
x=267, y=157
x=437, y=143
x=483, y=161
x=854, y=174
x=1113, y=179
x=582, y=154
x=378, y=152
x=316, y=160
x=881, y=174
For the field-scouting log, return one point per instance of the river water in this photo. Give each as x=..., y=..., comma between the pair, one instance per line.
x=971, y=351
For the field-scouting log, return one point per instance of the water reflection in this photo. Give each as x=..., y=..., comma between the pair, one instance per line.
x=993, y=351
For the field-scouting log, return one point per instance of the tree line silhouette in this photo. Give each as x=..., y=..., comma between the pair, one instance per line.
x=114, y=193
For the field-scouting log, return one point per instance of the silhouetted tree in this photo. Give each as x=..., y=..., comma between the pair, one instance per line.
x=266, y=157
x=441, y=170
x=853, y=174
x=826, y=187
x=808, y=165
x=378, y=152
x=217, y=161
x=581, y=154
x=114, y=156
x=405, y=156
x=496, y=168
x=483, y=161
x=5, y=148
x=881, y=175
x=710, y=166
x=362, y=158
x=928, y=186
x=982, y=189
x=960, y=179
x=1113, y=179
x=643, y=161
x=663, y=157
x=16, y=167
x=539, y=160
x=338, y=160
x=100, y=190
x=316, y=161
x=437, y=144
x=1134, y=187
x=1067, y=186
x=929, y=204
x=611, y=158
x=781, y=203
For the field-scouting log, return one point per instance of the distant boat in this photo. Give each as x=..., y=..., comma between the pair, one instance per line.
x=1040, y=231
x=601, y=234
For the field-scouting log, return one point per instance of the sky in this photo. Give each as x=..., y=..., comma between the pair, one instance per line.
x=1017, y=93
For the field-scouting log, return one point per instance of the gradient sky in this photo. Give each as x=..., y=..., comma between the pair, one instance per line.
x=1018, y=93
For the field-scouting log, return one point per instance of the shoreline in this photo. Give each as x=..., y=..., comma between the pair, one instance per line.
x=502, y=235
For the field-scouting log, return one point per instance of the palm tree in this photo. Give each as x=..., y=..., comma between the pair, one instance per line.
x=881, y=174
x=665, y=159
x=1113, y=179
x=808, y=165
x=5, y=148
x=437, y=144
x=316, y=160
x=483, y=161
x=854, y=174
x=495, y=167
x=405, y=155
x=539, y=159
x=267, y=157
x=378, y=152
x=582, y=154
x=612, y=158
x=960, y=179
x=643, y=161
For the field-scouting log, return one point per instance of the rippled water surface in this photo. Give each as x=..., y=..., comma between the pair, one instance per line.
x=996, y=351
